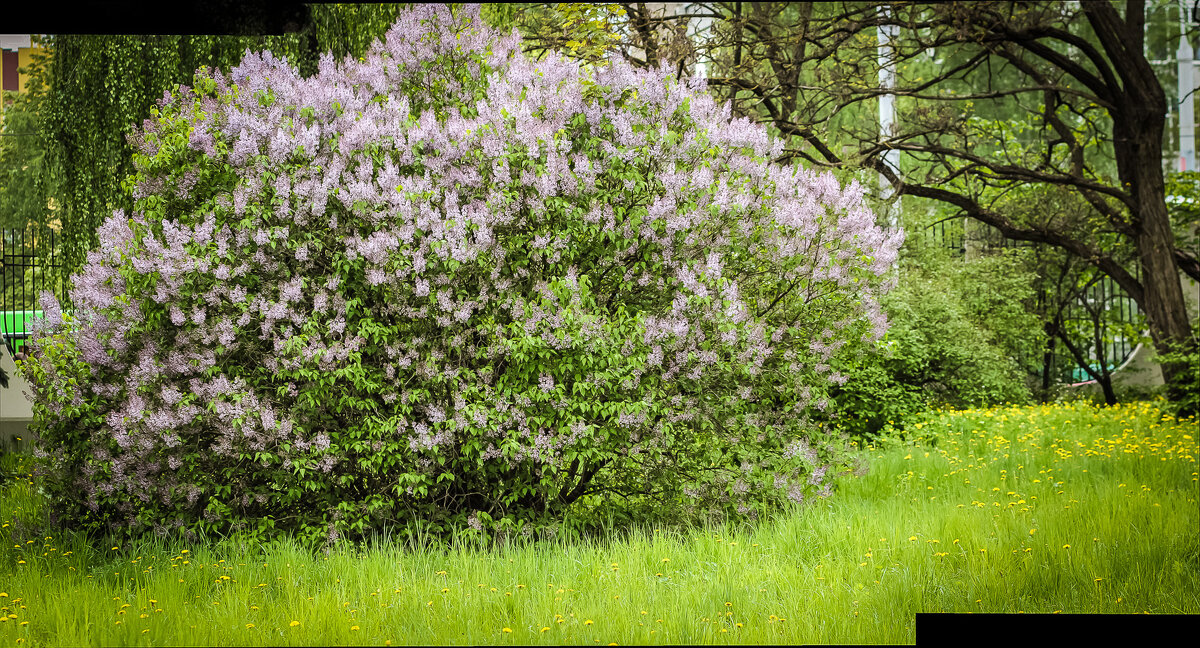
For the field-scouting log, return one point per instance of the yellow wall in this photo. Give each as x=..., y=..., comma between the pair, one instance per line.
x=24, y=59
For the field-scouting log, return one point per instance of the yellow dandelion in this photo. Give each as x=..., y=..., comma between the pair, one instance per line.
x=1067, y=546
x=294, y=623
x=249, y=625
x=546, y=629
x=588, y=622
x=445, y=589
x=354, y=627
x=507, y=630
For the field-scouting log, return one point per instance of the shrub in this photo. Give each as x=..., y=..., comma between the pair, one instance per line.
x=1188, y=362
x=447, y=285
x=958, y=332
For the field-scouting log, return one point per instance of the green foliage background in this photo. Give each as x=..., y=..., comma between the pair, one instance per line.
x=959, y=333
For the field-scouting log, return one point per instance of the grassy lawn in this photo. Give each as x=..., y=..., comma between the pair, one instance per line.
x=1042, y=509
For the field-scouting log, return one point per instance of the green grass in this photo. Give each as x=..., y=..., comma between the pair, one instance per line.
x=1065, y=508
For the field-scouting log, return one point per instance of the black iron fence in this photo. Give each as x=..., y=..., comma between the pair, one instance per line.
x=1107, y=322
x=949, y=234
x=1111, y=323
x=29, y=264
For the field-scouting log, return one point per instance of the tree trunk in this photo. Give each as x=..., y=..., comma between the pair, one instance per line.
x=1137, y=142
x=1162, y=303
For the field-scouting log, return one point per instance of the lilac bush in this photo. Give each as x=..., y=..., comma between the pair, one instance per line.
x=449, y=285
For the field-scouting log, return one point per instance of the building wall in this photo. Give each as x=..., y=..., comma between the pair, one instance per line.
x=16, y=412
x=17, y=52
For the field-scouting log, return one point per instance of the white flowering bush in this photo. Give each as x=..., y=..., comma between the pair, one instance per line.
x=446, y=285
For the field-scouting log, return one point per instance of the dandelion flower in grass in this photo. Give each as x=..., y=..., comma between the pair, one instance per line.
x=249, y=625
x=294, y=624
x=507, y=630
x=354, y=627
x=588, y=622
x=1066, y=546
x=445, y=589
x=546, y=629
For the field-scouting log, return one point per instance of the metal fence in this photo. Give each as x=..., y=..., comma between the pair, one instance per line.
x=29, y=264
x=1116, y=309
x=948, y=234
x=1105, y=295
